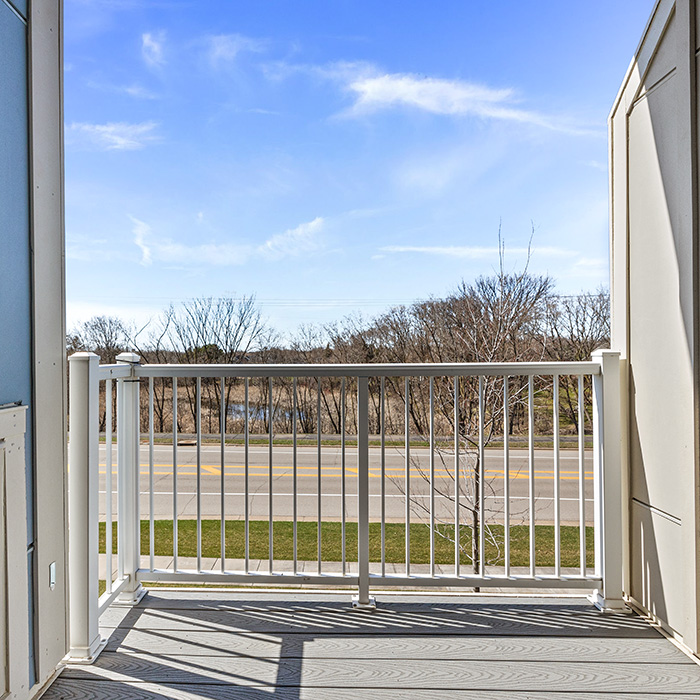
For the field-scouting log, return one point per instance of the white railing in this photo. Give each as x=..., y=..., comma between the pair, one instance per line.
x=436, y=485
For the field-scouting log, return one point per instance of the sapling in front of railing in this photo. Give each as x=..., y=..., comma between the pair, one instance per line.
x=466, y=416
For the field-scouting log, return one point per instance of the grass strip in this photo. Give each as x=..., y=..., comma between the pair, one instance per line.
x=331, y=539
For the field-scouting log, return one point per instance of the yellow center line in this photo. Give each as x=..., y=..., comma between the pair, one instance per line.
x=216, y=469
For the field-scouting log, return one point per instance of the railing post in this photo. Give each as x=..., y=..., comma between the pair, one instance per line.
x=363, y=601
x=607, y=476
x=83, y=516
x=128, y=477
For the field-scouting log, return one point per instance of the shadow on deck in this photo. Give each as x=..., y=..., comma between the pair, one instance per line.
x=226, y=646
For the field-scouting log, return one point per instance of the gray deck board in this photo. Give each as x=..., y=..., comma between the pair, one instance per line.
x=485, y=674
x=190, y=646
x=539, y=648
x=324, y=622
x=110, y=690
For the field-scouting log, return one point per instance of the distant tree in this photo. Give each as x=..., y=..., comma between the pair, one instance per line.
x=151, y=343
x=576, y=327
x=105, y=335
x=209, y=330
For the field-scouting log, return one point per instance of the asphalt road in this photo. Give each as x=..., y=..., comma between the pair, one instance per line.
x=331, y=484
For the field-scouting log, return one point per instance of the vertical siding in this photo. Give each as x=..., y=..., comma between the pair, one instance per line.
x=15, y=282
x=15, y=253
x=655, y=307
x=46, y=119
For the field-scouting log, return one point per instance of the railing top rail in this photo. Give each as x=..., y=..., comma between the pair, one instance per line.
x=475, y=369
x=115, y=371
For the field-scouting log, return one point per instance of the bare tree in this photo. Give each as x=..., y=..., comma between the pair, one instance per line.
x=576, y=327
x=105, y=335
x=209, y=330
x=151, y=343
x=497, y=318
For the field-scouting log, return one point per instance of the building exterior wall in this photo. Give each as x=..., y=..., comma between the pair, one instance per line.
x=32, y=312
x=653, y=137
x=48, y=333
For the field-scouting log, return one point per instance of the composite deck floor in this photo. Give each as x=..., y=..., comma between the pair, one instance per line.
x=257, y=646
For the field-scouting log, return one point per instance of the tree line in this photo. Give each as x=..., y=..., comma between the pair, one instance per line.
x=504, y=317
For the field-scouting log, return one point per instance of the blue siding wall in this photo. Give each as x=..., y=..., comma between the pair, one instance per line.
x=15, y=254
x=19, y=5
x=15, y=263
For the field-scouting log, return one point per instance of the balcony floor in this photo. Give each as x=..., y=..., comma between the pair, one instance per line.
x=254, y=645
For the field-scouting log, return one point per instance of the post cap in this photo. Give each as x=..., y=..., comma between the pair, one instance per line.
x=129, y=358
x=83, y=356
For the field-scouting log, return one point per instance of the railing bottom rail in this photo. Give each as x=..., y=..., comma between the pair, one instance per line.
x=331, y=579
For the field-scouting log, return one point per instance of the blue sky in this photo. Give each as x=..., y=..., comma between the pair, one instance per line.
x=334, y=156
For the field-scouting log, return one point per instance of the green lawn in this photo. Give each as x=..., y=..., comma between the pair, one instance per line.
x=332, y=547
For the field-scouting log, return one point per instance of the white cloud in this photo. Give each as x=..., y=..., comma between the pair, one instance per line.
x=166, y=250
x=85, y=248
x=429, y=94
x=134, y=90
x=152, y=49
x=115, y=136
x=477, y=252
x=141, y=231
x=592, y=266
x=225, y=48
x=137, y=313
x=215, y=254
x=597, y=165
x=444, y=97
x=137, y=91
x=302, y=239
x=374, y=90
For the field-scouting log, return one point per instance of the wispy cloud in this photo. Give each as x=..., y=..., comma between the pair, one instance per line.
x=88, y=248
x=303, y=239
x=152, y=49
x=141, y=230
x=374, y=93
x=137, y=91
x=477, y=252
x=134, y=90
x=166, y=250
x=373, y=90
x=223, y=49
x=592, y=267
x=429, y=94
x=596, y=165
x=114, y=136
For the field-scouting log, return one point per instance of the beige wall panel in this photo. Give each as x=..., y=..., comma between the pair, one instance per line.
x=653, y=226
x=49, y=332
x=16, y=661
x=645, y=56
x=661, y=375
x=664, y=58
x=658, y=575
